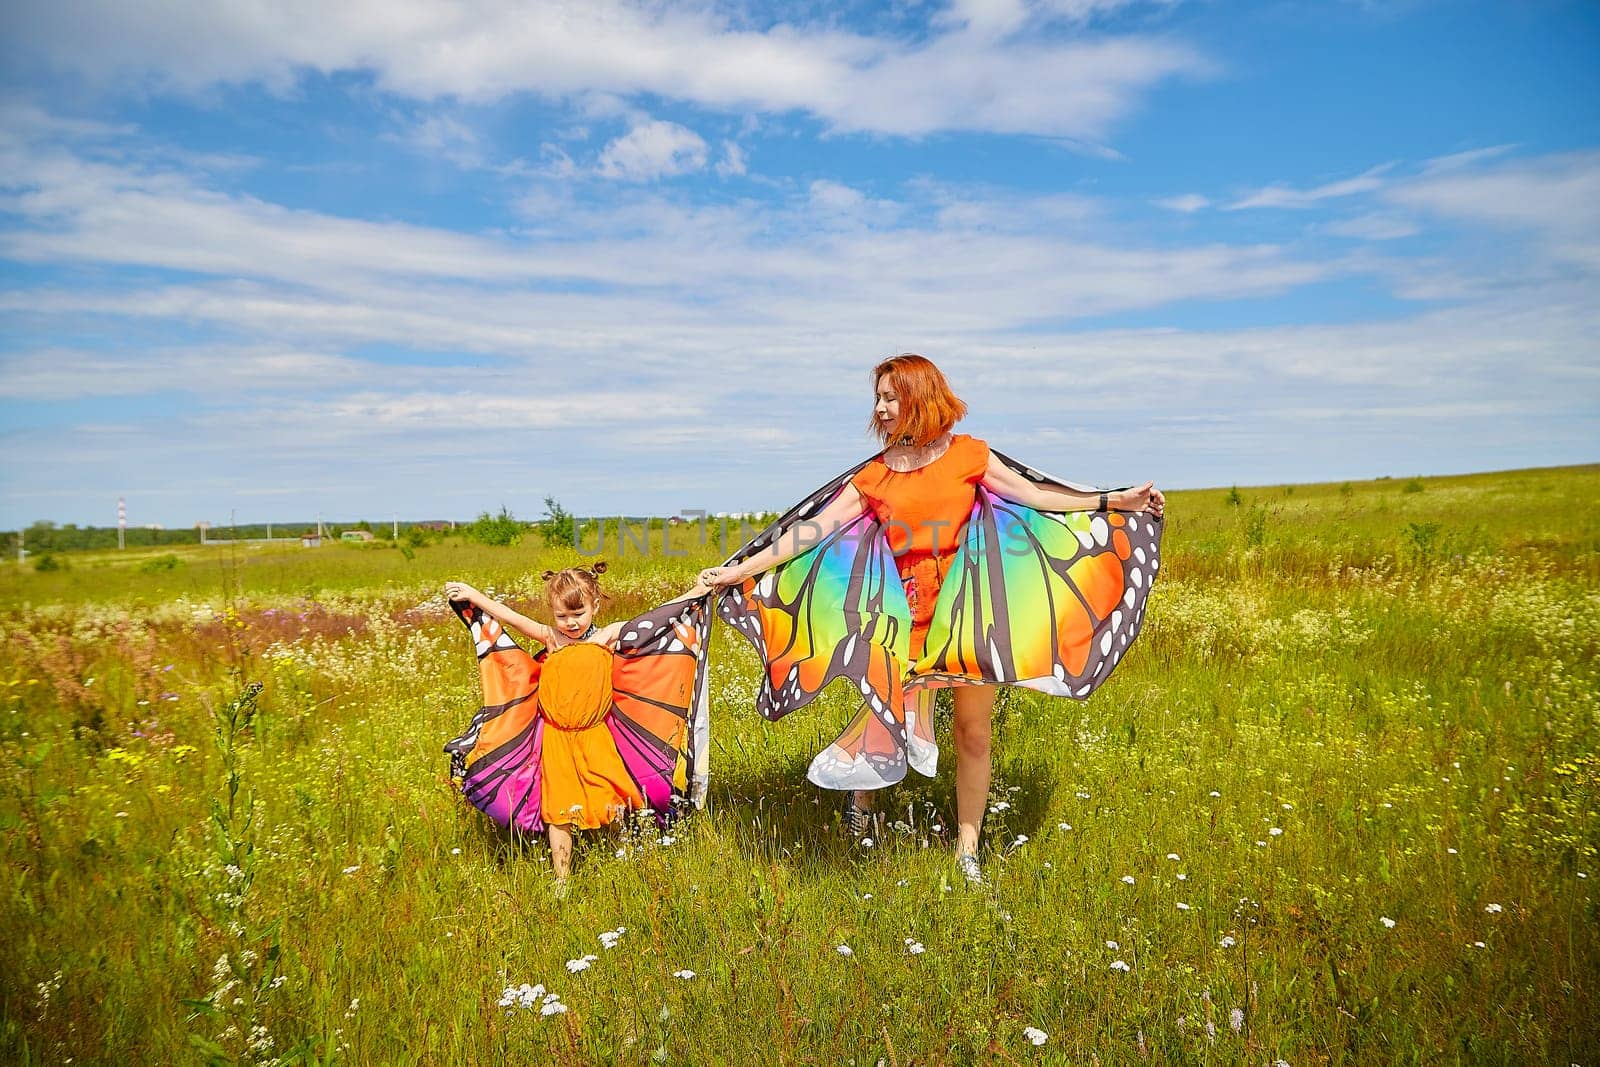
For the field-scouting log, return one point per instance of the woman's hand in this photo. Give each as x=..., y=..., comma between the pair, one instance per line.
x=461, y=591
x=720, y=577
x=1143, y=498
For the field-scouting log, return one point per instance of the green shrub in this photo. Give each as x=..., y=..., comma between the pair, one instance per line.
x=502, y=530
x=558, y=527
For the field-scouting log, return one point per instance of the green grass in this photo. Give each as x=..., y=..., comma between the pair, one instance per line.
x=1402, y=681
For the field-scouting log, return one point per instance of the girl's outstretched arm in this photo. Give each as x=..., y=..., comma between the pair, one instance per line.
x=607, y=635
x=496, y=610
x=803, y=535
x=1006, y=482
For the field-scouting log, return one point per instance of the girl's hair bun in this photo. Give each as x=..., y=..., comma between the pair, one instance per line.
x=598, y=568
x=547, y=575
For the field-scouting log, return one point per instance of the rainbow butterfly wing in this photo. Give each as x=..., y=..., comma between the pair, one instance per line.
x=498, y=758
x=837, y=610
x=659, y=715
x=1044, y=600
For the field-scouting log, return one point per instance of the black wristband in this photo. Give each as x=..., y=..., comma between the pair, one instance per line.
x=1102, y=500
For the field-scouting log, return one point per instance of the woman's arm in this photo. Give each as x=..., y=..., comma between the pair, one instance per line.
x=1004, y=481
x=805, y=534
x=496, y=610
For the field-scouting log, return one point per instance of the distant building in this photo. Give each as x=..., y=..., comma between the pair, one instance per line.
x=311, y=539
x=356, y=535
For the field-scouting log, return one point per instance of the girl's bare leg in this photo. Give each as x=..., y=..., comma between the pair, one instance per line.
x=973, y=726
x=560, y=849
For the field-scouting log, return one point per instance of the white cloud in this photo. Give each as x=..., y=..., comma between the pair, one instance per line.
x=1284, y=196
x=1372, y=227
x=653, y=149
x=215, y=370
x=486, y=50
x=687, y=312
x=732, y=162
x=1188, y=203
x=1556, y=197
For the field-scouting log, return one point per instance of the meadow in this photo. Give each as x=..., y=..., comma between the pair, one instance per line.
x=1341, y=804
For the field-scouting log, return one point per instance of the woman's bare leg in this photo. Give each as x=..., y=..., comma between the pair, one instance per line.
x=560, y=849
x=974, y=721
x=923, y=699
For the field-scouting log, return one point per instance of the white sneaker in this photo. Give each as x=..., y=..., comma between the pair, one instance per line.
x=967, y=864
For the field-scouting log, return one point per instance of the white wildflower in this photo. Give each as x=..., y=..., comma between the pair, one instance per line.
x=1118, y=965
x=1035, y=1035
x=1227, y=941
x=352, y=869
x=1236, y=1020
x=1493, y=909
x=455, y=852
x=1127, y=879
x=1063, y=826
x=685, y=974
x=1386, y=921
x=553, y=1007
x=1215, y=793
x=1112, y=945
x=1276, y=831
x=1182, y=906
x=582, y=963
x=1173, y=856
x=844, y=950
x=866, y=842
x=1182, y=877
x=914, y=947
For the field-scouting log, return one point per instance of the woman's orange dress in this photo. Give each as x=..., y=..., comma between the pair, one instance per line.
x=583, y=782
x=925, y=513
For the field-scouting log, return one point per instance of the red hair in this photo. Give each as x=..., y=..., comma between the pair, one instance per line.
x=927, y=406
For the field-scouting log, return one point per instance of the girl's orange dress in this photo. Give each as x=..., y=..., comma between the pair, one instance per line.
x=925, y=513
x=584, y=783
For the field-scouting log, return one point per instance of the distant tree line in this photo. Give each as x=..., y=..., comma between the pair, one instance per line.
x=41, y=537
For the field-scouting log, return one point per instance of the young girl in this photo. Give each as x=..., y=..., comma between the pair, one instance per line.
x=601, y=722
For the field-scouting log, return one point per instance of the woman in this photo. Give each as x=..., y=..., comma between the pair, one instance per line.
x=938, y=563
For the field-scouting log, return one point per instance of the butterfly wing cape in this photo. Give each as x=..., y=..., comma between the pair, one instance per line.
x=658, y=716
x=836, y=610
x=1050, y=601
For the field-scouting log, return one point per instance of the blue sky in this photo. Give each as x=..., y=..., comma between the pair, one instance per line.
x=277, y=259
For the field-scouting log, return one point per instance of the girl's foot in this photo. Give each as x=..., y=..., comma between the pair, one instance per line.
x=858, y=816
x=967, y=864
